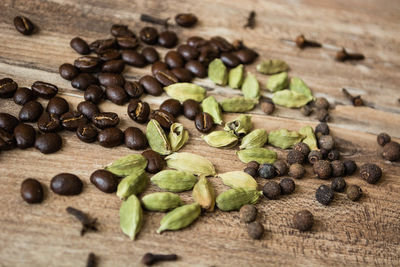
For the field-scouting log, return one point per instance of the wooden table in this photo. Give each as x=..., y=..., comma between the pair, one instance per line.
x=366, y=232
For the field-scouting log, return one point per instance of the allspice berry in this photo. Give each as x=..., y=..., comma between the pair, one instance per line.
x=306, y=110
x=314, y=156
x=303, y=148
x=253, y=164
x=322, y=169
x=281, y=167
x=324, y=195
x=287, y=186
x=248, y=213
x=338, y=168
x=338, y=184
x=251, y=171
x=326, y=142
x=350, y=166
x=272, y=190
x=322, y=129
x=354, y=192
x=267, y=171
x=383, y=139
x=334, y=154
x=297, y=171
x=371, y=173
x=322, y=115
x=303, y=220
x=321, y=103
x=295, y=156
x=255, y=230
x=267, y=106
x=391, y=151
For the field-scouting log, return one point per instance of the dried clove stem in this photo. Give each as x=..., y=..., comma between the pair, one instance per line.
x=154, y=20
x=343, y=55
x=149, y=258
x=87, y=223
x=91, y=260
x=356, y=100
x=302, y=42
x=251, y=20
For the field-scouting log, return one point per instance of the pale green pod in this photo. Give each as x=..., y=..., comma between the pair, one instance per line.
x=235, y=78
x=161, y=201
x=238, y=179
x=132, y=185
x=234, y=199
x=310, y=138
x=217, y=72
x=180, y=217
x=178, y=136
x=211, y=106
x=131, y=216
x=239, y=126
x=238, y=104
x=272, y=66
x=174, y=181
x=127, y=165
x=299, y=86
x=284, y=138
x=157, y=139
x=290, y=99
x=278, y=82
x=189, y=162
x=204, y=193
x=259, y=154
x=256, y=138
x=185, y=91
x=251, y=86
x=220, y=139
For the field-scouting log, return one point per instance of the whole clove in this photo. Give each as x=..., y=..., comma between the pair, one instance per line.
x=251, y=20
x=87, y=223
x=154, y=20
x=91, y=260
x=343, y=55
x=302, y=42
x=356, y=100
x=150, y=258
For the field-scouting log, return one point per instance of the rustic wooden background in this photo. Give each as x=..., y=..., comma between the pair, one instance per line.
x=345, y=233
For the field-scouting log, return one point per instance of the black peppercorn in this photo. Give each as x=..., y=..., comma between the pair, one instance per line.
x=354, y=192
x=322, y=115
x=350, y=166
x=295, y=156
x=272, y=190
x=334, y=154
x=280, y=167
x=391, y=151
x=253, y=164
x=383, y=139
x=338, y=184
x=371, y=172
x=321, y=129
x=267, y=171
x=338, y=168
x=314, y=156
x=303, y=148
x=323, y=169
x=255, y=230
x=248, y=213
x=321, y=103
x=297, y=171
x=287, y=186
x=324, y=195
x=303, y=220
x=326, y=142
x=251, y=171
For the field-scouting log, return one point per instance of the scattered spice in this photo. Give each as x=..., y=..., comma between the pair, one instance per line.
x=297, y=171
x=154, y=20
x=338, y=184
x=306, y=110
x=253, y=164
x=391, y=151
x=287, y=186
x=302, y=42
x=322, y=129
x=338, y=168
x=303, y=220
x=255, y=230
x=343, y=55
x=322, y=169
x=322, y=115
x=314, y=156
x=295, y=156
x=91, y=260
x=354, y=192
x=303, y=148
x=251, y=20
x=324, y=195
x=334, y=154
x=251, y=171
x=281, y=167
x=383, y=139
x=150, y=259
x=267, y=106
x=350, y=166
x=87, y=223
x=326, y=142
x=267, y=171
x=356, y=100
x=371, y=173
x=272, y=190
x=321, y=103
x=248, y=213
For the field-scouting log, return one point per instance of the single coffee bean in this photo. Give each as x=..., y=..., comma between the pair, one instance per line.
x=49, y=123
x=253, y=164
x=324, y=195
x=338, y=184
x=326, y=142
x=353, y=192
x=391, y=151
x=7, y=87
x=173, y=59
x=255, y=230
x=86, y=133
x=229, y=59
x=31, y=111
x=115, y=65
x=48, y=143
x=151, y=85
x=83, y=81
x=94, y=93
x=186, y=19
x=303, y=220
x=133, y=58
x=272, y=190
x=134, y=89
x=72, y=120
x=104, y=120
x=191, y=109
x=297, y=171
x=248, y=213
x=8, y=122
x=222, y=44
x=323, y=169
x=24, y=135
x=267, y=171
x=314, y=156
x=207, y=54
x=246, y=56
x=338, y=168
x=182, y=74
x=110, y=54
x=116, y=94
x=164, y=118
x=57, y=105
x=110, y=137
x=157, y=66
x=281, y=167
x=80, y=46
x=66, y=184
x=196, y=41
x=172, y=106
x=155, y=162
x=23, y=25
x=44, y=90
x=7, y=140
x=128, y=42
x=204, y=122
x=100, y=46
x=321, y=129
x=118, y=30
x=68, y=71
x=251, y=171
x=167, y=39
x=196, y=68
x=188, y=52
x=295, y=156
x=111, y=79
x=287, y=186
x=371, y=173
x=135, y=138
x=150, y=54
x=149, y=35
x=88, y=109
x=87, y=63
x=138, y=111
x=23, y=95
x=383, y=139
x=166, y=77
x=350, y=166
x=32, y=191
x=104, y=180
x=303, y=148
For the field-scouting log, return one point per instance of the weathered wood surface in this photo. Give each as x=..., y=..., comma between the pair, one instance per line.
x=346, y=233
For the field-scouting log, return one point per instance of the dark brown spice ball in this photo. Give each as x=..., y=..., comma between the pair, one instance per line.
x=334, y=154
x=321, y=103
x=248, y=213
x=267, y=106
x=349, y=166
x=324, y=195
x=267, y=171
x=314, y=156
x=324, y=153
x=297, y=171
x=322, y=169
x=306, y=110
x=253, y=164
x=371, y=172
x=251, y=171
x=255, y=230
x=338, y=184
x=281, y=167
x=272, y=190
x=322, y=129
x=338, y=168
x=303, y=220
x=287, y=186
x=391, y=151
x=295, y=156
x=383, y=139
x=326, y=142
x=303, y=148
x=322, y=115
x=354, y=192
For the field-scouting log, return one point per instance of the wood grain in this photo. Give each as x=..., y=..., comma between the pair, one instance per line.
x=346, y=233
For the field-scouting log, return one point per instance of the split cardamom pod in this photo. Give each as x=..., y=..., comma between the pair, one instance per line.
x=256, y=138
x=238, y=104
x=189, y=162
x=211, y=106
x=259, y=154
x=251, y=87
x=239, y=126
x=158, y=141
x=284, y=139
x=180, y=217
x=185, y=91
x=204, y=193
x=272, y=66
x=132, y=184
x=278, y=82
x=128, y=165
x=178, y=136
x=290, y=99
x=238, y=179
x=131, y=216
x=310, y=138
x=217, y=72
x=221, y=139
x=174, y=181
x=161, y=201
x=235, y=78
x=234, y=199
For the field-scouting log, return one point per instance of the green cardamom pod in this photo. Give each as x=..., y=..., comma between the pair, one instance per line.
x=158, y=141
x=131, y=216
x=310, y=138
x=211, y=106
x=127, y=165
x=238, y=104
x=251, y=86
x=278, y=82
x=191, y=163
x=220, y=139
x=161, y=201
x=256, y=138
x=283, y=138
x=235, y=78
x=239, y=126
x=290, y=99
x=133, y=184
x=178, y=136
x=259, y=154
x=217, y=72
x=180, y=217
x=238, y=179
x=204, y=193
x=185, y=91
x=174, y=181
x=272, y=66
x=234, y=199
x=299, y=86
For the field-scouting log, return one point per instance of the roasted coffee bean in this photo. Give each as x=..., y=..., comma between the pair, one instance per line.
x=57, y=105
x=66, y=184
x=115, y=65
x=172, y=106
x=80, y=46
x=167, y=39
x=31, y=111
x=72, y=120
x=32, y=191
x=135, y=138
x=7, y=87
x=204, y=122
x=48, y=143
x=222, y=44
x=157, y=66
x=324, y=195
x=116, y=94
x=110, y=137
x=139, y=111
x=303, y=220
x=207, y=54
x=104, y=120
x=88, y=109
x=100, y=46
x=164, y=118
x=127, y=42
x=24, y=135
x=23, y=25
x=7, y=140
x=49, y=122
x=86, y=133
x=133, y=58
x=111, y=79
x=272, y=190
x=182, y=74
x=230, y=59
x=94, y=93
x=44, y=90
x=196, y=41
x=155, y=162
x=83, y=81
x=149, y=35
x=191, y=109
x=151, y=86
x=287, y=186
x=186, y=19
x=110, y=54
x=196, y=68
x=134, y=89
x=68, y=71
x=150, y=54
x=188, y=52
x=118, y=30
x=166, y=77
x=87, y=63
x=8, y=122
x=173, y=59
x=371, y=173
x=246, y=56
x=23, y=95
x=104, y=180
